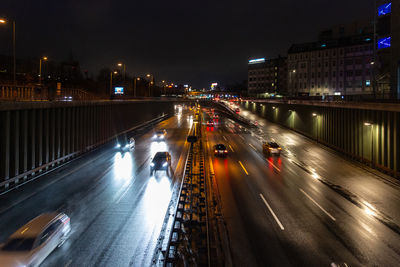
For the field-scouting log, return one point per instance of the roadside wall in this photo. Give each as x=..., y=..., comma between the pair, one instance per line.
x=368, y=134
x=35, y=136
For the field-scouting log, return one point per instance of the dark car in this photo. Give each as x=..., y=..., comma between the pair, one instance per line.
x=210, y=123
x=270, y=148
x=220, y=150
x=161, y=161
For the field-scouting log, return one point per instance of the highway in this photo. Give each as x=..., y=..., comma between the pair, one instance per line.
x=117, y=209
x=308, y=207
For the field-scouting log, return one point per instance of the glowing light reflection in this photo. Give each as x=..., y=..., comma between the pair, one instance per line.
x=158, y=147
x=123, y=166
x=156, y=199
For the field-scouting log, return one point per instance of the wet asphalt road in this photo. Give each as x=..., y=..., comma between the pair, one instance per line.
x=117, y=209
x=308, y=207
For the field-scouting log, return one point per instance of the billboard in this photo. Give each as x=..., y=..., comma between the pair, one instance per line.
x=118, y=90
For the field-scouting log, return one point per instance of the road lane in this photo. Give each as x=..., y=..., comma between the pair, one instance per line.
x=117, y=209
x=310, y=237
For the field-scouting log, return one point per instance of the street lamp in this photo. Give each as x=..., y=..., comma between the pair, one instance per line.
x=120, y=64
x=40, y=69
x=111, y=80
x=151, y=81
x=4, y=21
x=134, y=85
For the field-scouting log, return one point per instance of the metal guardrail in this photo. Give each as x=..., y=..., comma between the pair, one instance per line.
x=30, y=175
x=187, y=243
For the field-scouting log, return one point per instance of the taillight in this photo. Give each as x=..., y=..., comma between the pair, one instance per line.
x=65, y=220
x=226, y=151
x=215, y=151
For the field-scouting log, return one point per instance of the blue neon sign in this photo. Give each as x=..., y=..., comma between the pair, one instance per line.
x=384, y=42
x=384, y=9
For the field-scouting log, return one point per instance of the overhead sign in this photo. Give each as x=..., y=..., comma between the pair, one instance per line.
x=118, y=90
x=257, y=60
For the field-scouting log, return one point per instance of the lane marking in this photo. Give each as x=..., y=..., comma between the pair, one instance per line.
x=68, y=263
x=310, y=198
x=231, y=148
x=225, y=138
x=243, y=167
x=253, y=147
x=273, y=165
x=272, y=212
x=241, y=136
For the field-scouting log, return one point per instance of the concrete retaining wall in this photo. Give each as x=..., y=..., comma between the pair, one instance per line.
x=38, y=136
x=371, y=136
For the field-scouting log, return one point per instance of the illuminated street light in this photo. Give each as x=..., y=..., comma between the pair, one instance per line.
x=40, y=69
x=367, y=123
x=294, y=71
x=4, y=21
x=314, y=114
x=120, y=64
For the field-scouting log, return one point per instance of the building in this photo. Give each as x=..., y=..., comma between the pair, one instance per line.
x=267, y=78
x=388, y=46
x=340, y=63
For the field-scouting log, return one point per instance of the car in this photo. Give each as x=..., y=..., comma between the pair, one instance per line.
x=210, y=123
x=129, y=145
x=160, y=134
x=220, y=150
x=32, y=243
x=160, y=161
x=270, y=148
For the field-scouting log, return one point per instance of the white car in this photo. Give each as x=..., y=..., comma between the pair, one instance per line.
x=160, y=135
x=33, y=242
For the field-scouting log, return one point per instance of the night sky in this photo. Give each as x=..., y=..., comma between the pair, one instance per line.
x=196, y=42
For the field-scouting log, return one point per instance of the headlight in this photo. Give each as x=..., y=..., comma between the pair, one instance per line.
x=162, y=136
x=165, y=164
x=152, y=164
x=118, y=146
x=155, y=136
x=127, y=145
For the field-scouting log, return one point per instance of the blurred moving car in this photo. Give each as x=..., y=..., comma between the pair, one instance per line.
x=160, y=161
x=160, y=134
x=129, y=145
x=210, y=123
x=270, y=148
x=220, y=150
x=33, y=242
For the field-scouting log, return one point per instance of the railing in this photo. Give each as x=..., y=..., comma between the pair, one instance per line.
x=41, y=93
x=187, y=244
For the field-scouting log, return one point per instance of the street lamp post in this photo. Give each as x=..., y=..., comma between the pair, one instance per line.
x=3, y=21
x=150, y=83
x=111, y=80
x=40, y=69
x=123, y=68
x=134, y=85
